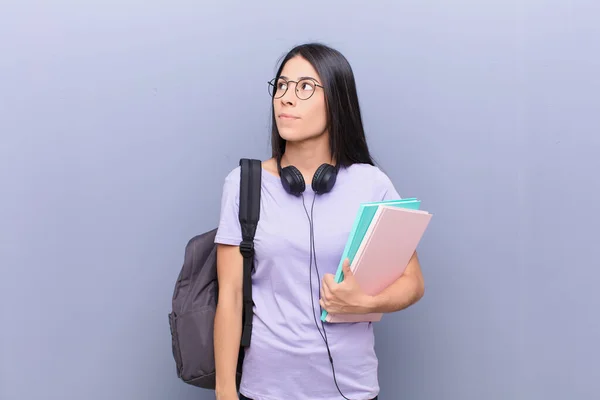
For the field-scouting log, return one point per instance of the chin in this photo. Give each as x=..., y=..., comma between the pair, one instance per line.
x=291, y=135
x=294, y=135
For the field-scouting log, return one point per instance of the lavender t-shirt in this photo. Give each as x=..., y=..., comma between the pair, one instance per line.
x=287, y=357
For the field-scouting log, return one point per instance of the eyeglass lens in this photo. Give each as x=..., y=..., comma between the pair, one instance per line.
x=303, y=88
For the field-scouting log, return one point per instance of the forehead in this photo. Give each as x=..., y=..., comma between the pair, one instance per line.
x=298, y=67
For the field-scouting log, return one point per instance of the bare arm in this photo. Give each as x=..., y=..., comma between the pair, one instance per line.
x=228, y=319
x=406, y=291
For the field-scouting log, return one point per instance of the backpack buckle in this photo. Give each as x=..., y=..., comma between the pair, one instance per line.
x=247, y=248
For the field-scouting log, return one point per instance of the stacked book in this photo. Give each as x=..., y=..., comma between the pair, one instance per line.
x=382, y=241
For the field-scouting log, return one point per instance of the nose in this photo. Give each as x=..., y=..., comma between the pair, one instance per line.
x=289, y=98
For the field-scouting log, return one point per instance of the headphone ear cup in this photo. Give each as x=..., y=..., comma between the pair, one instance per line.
x=324, y=179
x=292, y=180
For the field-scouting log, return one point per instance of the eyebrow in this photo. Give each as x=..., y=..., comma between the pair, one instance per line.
x=300, y=78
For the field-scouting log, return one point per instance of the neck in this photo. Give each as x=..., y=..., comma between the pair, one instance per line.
x=307, y=156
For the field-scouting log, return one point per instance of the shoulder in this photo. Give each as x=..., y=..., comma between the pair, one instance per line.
x=231, y=183
x=370, y=173
x=374, y=177
x=233, y=177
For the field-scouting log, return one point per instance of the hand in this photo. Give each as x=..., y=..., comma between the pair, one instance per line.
x=346, y=297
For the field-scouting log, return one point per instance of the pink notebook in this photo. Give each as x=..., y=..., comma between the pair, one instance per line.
x=385, y=251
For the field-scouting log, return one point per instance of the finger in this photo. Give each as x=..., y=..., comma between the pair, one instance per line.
x=346, y=268
x=327, y=294
x=328, y=281
x=322, y=303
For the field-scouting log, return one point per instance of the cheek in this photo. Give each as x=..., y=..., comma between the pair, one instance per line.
x=318, y=116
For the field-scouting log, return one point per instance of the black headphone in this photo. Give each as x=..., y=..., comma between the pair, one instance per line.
x=293, y=181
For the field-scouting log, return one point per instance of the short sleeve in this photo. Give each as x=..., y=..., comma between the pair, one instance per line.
x=388, y=190
x=229, y=230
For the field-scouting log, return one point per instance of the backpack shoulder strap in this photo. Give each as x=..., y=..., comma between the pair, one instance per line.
x=249, y=214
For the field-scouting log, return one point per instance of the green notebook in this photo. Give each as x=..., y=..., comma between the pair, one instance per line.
x=363, y=219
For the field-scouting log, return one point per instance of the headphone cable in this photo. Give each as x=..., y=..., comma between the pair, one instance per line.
x=314, y=254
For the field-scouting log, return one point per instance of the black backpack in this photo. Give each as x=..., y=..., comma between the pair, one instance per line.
x=196, y=290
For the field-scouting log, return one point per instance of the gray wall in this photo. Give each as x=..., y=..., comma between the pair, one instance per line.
x=119, y=121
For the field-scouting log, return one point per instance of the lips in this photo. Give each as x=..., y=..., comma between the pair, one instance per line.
x=287, y=116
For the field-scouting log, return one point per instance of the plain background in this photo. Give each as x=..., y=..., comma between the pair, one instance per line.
x=120, y=119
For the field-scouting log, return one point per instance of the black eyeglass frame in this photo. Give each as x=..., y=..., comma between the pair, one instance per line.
x=272, y=84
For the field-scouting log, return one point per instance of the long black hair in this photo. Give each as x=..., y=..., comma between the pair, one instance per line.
x=346, y=132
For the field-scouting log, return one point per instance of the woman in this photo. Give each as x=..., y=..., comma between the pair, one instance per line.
x=301, y=234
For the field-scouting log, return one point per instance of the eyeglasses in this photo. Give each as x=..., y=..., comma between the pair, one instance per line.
x=305, y=88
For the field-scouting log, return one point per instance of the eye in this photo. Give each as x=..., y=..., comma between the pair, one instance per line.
x=307, y=85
